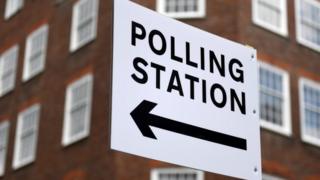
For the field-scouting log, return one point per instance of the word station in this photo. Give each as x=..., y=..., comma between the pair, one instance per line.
x=216, y=64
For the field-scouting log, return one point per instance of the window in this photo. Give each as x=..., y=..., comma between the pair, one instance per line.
x=182, y=8
x=271, y=14
x=12, y=6
x=4, y=135
x=176, y=174
x=270, y=177
x=26, y=136
x=308, y=23
x=310, y=111
x=84, y=23
x=8, y=65
x=274, y=99
x=59, y=1
x=77, y=110
x=35, y=53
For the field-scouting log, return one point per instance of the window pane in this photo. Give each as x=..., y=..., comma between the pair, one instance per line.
x=29, y=122
x=179, y=174
x=80, y=93
x=8, y=70
x=27, y=146
x=36, y=47
x=86, y=9
x=4, y=131
x=84, y=23
x=86, y=15
x=85, y=30
x=78, y=106
x=312, y=110
x=12, y=6
x=310, y=22
x=181, y=5
x=27, y=132
x=271, y=96
x=78, y=115
x=182, y=8
x=270, y=12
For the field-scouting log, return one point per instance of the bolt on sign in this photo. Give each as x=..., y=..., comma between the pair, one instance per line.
x=182, y=95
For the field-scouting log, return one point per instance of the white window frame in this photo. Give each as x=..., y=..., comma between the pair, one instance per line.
x=10, y=12
x=74, y=41
x=305, y=137
x=4, y=125
x=271, y=177
x=201, y=13
x=15, y=49
x=27, y=75
x=285, y=129
x=66, y=139
x=18, y=163
x=283, y=31
x=300, y=39
x=155, y=172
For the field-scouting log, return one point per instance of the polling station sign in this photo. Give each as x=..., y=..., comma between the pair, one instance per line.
x=182, y=95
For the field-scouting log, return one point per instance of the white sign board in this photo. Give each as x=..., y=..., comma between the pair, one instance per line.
x=182, y=95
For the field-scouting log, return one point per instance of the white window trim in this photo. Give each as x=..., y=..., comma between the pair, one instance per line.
x=3, y=125
x=74, y=42
x=284, y=20
x=160, y=6
x=155, y=172
x=270, y=177
x=7, y=13
x=300, y=39
x=66, y=140
x=13, y=48
x=26, y=74
x=286, y=127
x=17, y=147
x=305, y=137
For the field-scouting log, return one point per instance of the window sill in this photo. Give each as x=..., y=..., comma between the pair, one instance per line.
x=274, y=128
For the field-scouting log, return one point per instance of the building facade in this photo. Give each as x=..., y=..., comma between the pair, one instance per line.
x=55, y=86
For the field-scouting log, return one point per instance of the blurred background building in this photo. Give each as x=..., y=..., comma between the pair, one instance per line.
x=55, y=86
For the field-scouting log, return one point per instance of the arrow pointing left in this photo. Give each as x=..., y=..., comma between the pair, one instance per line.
x=144, y=119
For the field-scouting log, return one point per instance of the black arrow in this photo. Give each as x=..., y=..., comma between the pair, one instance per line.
x=144, y=119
